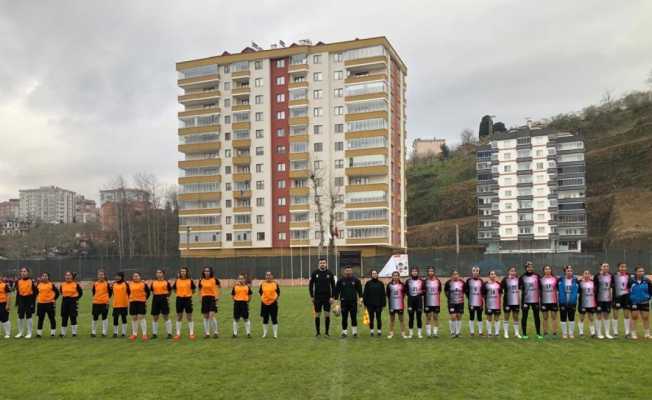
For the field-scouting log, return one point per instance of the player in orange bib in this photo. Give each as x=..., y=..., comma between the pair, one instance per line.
x=71, y=292
x=101, y=294
x=45, y=303
x=138, y=295
x=161, y=290
x=241, y=294
x=25, y=299
x=120, y=291
x=209, y=289
x=269, y=293
x=5, y=301
x=184, y=287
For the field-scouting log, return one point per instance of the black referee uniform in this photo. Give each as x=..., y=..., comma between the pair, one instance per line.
x=322, y=290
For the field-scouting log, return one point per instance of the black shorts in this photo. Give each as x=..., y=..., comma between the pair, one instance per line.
x=431, y=309
x=240, y=310
x=184, y=304
x=208, y=304
x=415, y=304
x=456, y=308
x=160, y=305
x=118, y=311
x=4, y=315
x=550, y=307
x=584, y=310
x=514, y=308
x=25, y=307
x=492, y=311
x=397, y=311
x=137, y=308
x=621, y=302
x=322, y=304
x=472, y=309
x=269, y=310
x=604, y=307
x=100, y=309
x=641, y=307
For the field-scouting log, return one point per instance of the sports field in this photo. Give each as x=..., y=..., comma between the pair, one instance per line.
x=300, y=366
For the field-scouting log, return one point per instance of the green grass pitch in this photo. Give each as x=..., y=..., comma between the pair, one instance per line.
x=300, y=366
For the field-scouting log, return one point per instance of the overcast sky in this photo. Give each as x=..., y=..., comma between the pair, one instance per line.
x=88, y=88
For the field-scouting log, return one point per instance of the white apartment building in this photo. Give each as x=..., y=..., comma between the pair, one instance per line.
x=48, y=204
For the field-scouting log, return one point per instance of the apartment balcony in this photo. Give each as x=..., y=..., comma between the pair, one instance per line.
x=199, y=228
x=299, y=242
x=302, y=224
x=366, y=115
x=242, y=227
x=300, y=207
x=242, y=177
x=200, y=211
x=366, y=96
x=209, y=162
x=241, y=143
x=200, y=245
x=367, y=134
x=199, y=196
x=300, y=173
x=239, y=91
x=366, y=78
x=299, y=138
x=237, y=126
x=242, y=243
x=240, y=74
x=367, y=152
x=242, y=194
x=200, y=179
x=367, y=170
x=303, y=67
x=299, y=156
x=241, y=209
x=297, y=85
x=199, y=81
x=372, y=62
x=378, y=241
x=241, y=160
x=368, y=204
x=192, y=148
x=299, y=121
x=200, y=129
x=300, y=191
x=367, y=222
x=200, y=111
x=367, y=188
x=199, y=97
x=298, y=102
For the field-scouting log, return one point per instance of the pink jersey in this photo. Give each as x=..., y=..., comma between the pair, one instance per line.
x=456, y=292
x=433, y=292
x=510, y=286
x=530, y=289
x=622, y=284
x=587, y=290
x=474, y=287
x=492, y=295
x=414, y=287
x=605, y=287
x=396, y=292
x=549, y=293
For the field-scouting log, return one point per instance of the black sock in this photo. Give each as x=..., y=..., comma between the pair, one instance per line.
x=328, y=324
x=317, y=323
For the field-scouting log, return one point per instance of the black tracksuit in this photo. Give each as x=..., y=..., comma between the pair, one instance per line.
x=322, y=289
x=348, y=290
x=374, y=299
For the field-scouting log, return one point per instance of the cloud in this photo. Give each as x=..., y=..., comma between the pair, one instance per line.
x=88, y=89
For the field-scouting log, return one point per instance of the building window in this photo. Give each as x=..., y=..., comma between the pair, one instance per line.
x=339, y=181
x=227, y=69
x=258, y=82
x=339, y=164
x=227, y=119
x=280, y=115
x=316, y=59
x=259, y=116
x=281, y=149
x=260, y=151
x=259, y=134
x=227, y=153
x=280, y=184
x=317, y=112
x=339, y=110
x=281, y=201
x=338, y=75
x=280, y=98
x=339, y=128
x=227, y=203
x=280, y=80
x=260, y=185
x=228, y=220
x=337, y=57
x=317, y=164
x=227, y=85
x=229, y=237
x=339, y=92
x=258, y=64
x=318, y=147
x=281, y=236
x=260, y=219
x=317, y=94
x=227, y=102
x=260, y=201
x=280, y=63
x=259, y=167
x=339, y=146
x=280, y=132
x=280, y=167
x=259, y=99
x=317, y=129
x=260, y=235
x=317, y=76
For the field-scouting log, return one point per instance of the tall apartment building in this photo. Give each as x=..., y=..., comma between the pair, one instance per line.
x=531, y=191
x=272, y=137
x=9, y=210
x=48, y=204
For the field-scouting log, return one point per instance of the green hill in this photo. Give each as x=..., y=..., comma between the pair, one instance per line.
x=618, y=139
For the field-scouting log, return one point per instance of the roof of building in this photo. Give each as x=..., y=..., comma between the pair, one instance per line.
x=527, y=131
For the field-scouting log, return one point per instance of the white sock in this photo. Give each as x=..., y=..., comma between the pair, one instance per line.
x=628, y=329
x=264, y=330
x=605, y=323
x=155, y=328
x=471, y=327
x=515, y=328
x=496, y=328
x=115, y=329
x=451, y=326
x=480, y=328
x=489, y=327
x=39, y=332
x=564, y=329
x=143, y=326
x=206, y=329
x=410, y=332
x=614, y=326
x=214, y=323
x=191, y=328
x=124, y=329
x=248, y=327
x=21, y=323
x=571, y=328
x=235, y=327
x=29, y=326
x=53, y=332
x=428, y=330
x=580, y=328
x=354, y=329
x=598, y=326
x=275, y=330
x=178, y=328
x=459, y=326
x=435, y=330
x=506, y=326
x=168, y=327
x=64, y=330
x=93, y=327
x=134, y=328
x=7, y=326
x=105, y=326
x=74, y=330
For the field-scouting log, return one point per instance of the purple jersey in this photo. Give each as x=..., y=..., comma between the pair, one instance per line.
x=433, y=291
x=530, y=289
x=587, y=289
x=396, y=296
x=456, y=292
x=605, y=287
x=510, y=286
x=474, y=287
x=414, y=287
x=549, y=290
x=492, y=295
x=622, y=284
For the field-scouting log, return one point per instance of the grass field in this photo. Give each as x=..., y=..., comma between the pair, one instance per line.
x=300, y=366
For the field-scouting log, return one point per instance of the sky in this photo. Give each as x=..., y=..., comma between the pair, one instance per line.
x=88, y=89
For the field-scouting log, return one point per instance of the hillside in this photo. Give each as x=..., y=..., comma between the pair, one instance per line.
x=618, y=139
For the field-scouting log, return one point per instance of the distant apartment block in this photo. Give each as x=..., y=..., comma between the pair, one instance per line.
x=48, y=204
x=269, y=136
x=531, y=191
x=115, y=201
x=425, y=147
x=10, y=209
x=85, y=210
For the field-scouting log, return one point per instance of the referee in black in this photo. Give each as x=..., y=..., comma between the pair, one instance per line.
x=349, y=292
x=322, y=292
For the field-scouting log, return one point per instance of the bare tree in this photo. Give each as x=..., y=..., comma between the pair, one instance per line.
x=649, y=79
x=325, y=197
x=468, y=137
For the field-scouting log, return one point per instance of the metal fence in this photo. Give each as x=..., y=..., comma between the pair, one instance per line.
x=300, y=266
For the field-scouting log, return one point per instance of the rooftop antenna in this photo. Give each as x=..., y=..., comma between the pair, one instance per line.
x=255, y=46
x=282, y=43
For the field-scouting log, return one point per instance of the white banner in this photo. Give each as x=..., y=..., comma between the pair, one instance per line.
x=397, y=262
